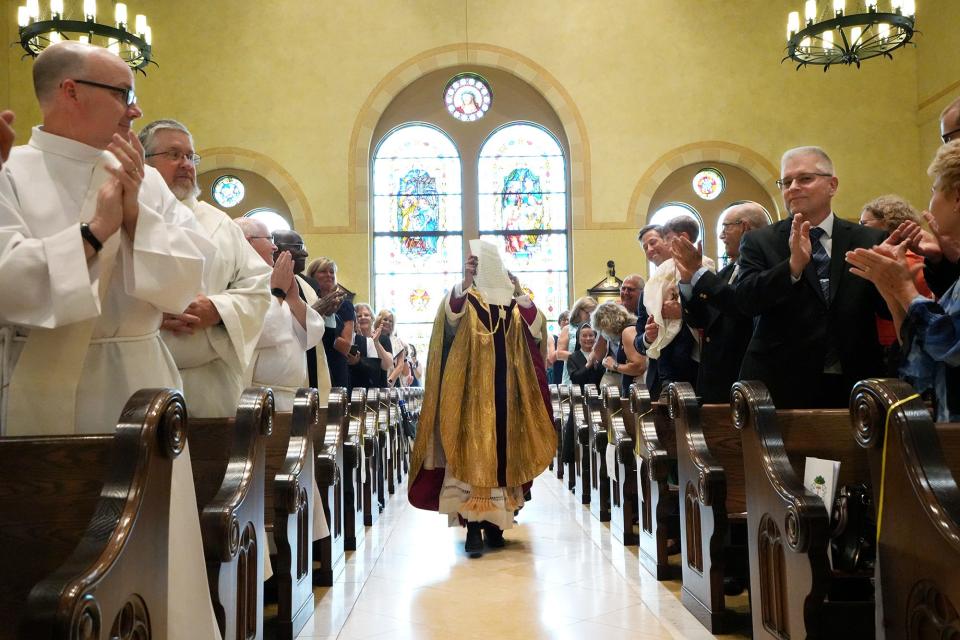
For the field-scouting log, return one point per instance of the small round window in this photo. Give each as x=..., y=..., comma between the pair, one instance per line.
x=708, y=183
x=228, y=191
x=467, y=97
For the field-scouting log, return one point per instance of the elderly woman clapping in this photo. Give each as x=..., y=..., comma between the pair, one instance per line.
x=928, y=330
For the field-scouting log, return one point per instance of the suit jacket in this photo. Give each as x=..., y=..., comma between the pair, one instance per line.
x=796, y=326
x=726, y=333
x=675, y=364
x=579, y=374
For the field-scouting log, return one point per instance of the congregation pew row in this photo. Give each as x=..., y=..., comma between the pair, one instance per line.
x=726, y=483
x=85, y=520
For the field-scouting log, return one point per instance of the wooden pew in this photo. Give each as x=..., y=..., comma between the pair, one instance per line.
x=332, y=477
x=289, y=507
x=621, y=423
x=794, y=591
x=387, y=424
x=557, y=465
x=373, y=483
x=228, y=462
x=354, y=462
x=396, y=440
x=597, y=449
x=919, y=533
x=85, y=524
x=712, y=507
x=656, y=459
x=566, y=408
x=581, y=449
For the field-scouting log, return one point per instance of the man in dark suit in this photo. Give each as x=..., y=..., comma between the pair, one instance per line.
x=816, y=331
x=709, y=302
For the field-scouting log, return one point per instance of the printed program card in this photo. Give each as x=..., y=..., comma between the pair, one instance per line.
x=492, y=279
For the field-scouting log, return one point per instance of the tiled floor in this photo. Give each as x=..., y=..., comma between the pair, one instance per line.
x=561, y=575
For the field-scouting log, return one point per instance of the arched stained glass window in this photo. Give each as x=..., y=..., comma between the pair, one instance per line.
x=417, y=235
x=522, y=193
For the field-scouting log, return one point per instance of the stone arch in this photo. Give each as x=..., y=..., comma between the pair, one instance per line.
x=238, y=158
x=759, y=168
x=460, y=54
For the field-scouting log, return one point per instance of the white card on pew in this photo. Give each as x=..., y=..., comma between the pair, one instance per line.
x=492, y=279
x=820, y=479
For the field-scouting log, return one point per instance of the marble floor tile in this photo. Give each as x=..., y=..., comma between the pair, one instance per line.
x=561, y=575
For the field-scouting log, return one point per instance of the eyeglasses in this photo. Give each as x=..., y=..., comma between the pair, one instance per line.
x=731, y=224
x=803, y=180
x=129, y=97
x=299, y=247
x=948, y=136
x=176, y=156
x=628, y=288
x=270, y=238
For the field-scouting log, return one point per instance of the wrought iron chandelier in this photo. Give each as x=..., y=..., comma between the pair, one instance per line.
x=848, y=37
x=37, y=31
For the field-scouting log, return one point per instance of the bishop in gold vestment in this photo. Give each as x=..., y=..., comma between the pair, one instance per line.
x=486, y=427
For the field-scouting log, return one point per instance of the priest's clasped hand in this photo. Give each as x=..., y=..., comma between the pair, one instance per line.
x=129, y=153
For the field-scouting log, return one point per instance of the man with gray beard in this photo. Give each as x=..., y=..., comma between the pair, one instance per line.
x=213, y=339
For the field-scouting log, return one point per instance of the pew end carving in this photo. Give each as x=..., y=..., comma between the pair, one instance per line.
x=85, y=524
x=656, y=451
x=331, y=477
x=355, y=467
x=919, y=529
x=795, y=593
x=714, y=554
x=621, y=426
x=596, y=448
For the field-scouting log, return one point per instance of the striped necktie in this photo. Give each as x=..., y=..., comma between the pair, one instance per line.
x=821, y=261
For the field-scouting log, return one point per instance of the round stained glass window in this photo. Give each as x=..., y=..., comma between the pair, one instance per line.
x=228, y=191
x=467, y=97
x=708, y=183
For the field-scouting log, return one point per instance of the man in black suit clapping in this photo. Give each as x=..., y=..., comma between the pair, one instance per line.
x=815, y=332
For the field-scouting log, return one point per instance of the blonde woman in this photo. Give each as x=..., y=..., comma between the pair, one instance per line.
x=369, y=362
x=619, y=327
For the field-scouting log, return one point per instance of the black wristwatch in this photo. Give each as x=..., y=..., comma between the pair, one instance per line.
x=280, y=293
x=91, y=239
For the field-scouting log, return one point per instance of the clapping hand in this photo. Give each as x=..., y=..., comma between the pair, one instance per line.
x=129, y=152
x=282, y=275
x=688, y=257
x=610, y=363
x=181, y=324
x=651, y=330
x=517, y=289
x=800, y=248
x=328, y=304
x=886, y=267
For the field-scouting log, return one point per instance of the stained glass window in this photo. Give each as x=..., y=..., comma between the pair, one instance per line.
x=269, y=217
x=523, y=208
x=228, y=191
x=708, y=183
x=417, y=227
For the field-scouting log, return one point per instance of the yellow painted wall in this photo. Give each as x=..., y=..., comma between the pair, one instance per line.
x=289, y=79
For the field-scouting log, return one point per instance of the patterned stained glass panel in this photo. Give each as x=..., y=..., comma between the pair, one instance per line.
x=548, y=289
x=413, y=298
x=708, y=184
x=417, y=141
x=417, y=213
x=523, y=252
x=513, y=174
x=523, y=211
x=417, y=334
x=419, y=254
x=228, y=191
x=391, y=176
x=521, y=140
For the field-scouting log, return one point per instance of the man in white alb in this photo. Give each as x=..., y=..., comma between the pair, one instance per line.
x=94, y=250
x=213, y=339
x=290, y=328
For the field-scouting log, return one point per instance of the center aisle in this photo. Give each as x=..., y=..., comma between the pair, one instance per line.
x=561, y=575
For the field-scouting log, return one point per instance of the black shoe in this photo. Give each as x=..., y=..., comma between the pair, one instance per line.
x=474, y=544
x=493, y=536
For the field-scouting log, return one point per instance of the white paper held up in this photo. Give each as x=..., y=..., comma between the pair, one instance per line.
x=492, y=279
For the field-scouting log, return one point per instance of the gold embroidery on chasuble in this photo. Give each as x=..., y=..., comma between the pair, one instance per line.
x=459, y=401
